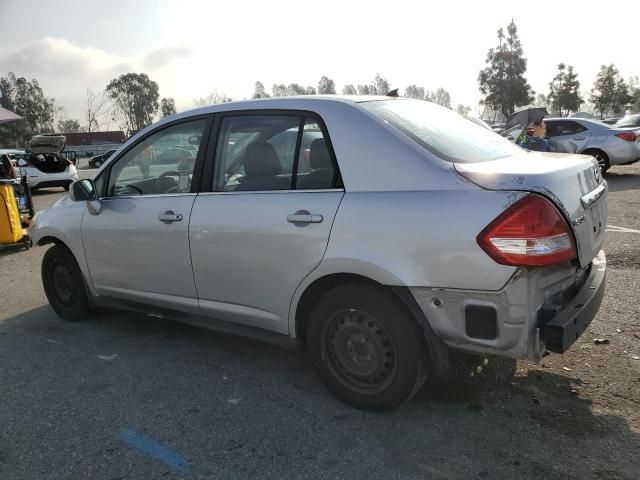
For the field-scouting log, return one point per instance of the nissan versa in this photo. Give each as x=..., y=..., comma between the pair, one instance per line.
x=378, y=233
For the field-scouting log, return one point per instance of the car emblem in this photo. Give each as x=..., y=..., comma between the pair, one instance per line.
x=596, y=174
x=579, y=220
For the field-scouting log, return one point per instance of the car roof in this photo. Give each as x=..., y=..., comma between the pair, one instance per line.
x=284, y=102
x=297, y=102
x=583, y=121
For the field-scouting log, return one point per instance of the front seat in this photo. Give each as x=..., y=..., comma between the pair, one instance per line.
x=262, y=169
x=322, y=166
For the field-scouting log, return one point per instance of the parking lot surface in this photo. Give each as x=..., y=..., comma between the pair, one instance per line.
x=125, y=396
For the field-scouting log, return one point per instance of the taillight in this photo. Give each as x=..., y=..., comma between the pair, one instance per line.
x=531, y=233
x=628, y=136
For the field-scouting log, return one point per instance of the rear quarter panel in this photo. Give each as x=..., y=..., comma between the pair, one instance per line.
x=415, y=239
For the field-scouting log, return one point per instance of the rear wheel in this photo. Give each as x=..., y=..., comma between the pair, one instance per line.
x=601, y=158
x=97, y=163
x=64, y=285
x=366, y=348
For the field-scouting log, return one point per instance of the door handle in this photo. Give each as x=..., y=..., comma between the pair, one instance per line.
x=579, y=138
x=303, y=216
x=169, y=216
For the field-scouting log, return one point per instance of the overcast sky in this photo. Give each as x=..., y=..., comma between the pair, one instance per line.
x=192, y=47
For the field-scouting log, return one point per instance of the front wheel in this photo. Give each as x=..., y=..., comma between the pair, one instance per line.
x=64, y=285
x=366, y=348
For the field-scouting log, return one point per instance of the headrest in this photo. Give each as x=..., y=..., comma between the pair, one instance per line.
x=260, y=160
x=319, y=154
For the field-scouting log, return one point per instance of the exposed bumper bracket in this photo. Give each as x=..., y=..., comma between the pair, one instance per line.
x=560, y=326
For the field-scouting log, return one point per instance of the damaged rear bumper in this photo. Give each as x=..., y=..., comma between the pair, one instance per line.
x=538, y=310
x=560, y=326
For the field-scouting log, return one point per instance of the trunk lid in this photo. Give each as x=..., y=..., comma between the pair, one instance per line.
x=573, y=182
x=46, y=144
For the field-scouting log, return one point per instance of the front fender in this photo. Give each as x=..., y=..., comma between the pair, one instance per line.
x=61, y=223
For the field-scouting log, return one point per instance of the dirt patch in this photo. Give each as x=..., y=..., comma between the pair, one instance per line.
x=624, y=259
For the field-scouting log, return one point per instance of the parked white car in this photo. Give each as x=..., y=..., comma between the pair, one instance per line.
x=378, y=233
x=43, y=164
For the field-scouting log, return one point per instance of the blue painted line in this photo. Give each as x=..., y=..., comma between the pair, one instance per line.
x=154, y=449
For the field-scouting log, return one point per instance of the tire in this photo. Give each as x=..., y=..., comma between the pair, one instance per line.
x=97, y=164
x=64, y=285
x=601, y=158
x=366, y=348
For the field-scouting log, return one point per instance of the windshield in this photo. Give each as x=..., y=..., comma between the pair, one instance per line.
x=442, y=131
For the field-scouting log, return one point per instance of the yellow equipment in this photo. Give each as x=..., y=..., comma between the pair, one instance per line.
x=10, y=225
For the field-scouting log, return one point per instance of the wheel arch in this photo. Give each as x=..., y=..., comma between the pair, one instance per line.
x=590, y=150
x=312, y=293
x=47, y=239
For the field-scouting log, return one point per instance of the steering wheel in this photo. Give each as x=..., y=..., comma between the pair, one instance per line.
x=173, y=188
x=133, y=187
x=170, y=172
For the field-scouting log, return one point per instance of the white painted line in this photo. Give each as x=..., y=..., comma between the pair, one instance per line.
x=613, y=228
x=108, y=358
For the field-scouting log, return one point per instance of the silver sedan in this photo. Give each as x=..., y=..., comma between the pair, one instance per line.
x=377, y=233
x=608, y=145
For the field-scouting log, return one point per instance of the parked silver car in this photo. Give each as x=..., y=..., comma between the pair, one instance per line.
x=376, y=232
x=608, y=145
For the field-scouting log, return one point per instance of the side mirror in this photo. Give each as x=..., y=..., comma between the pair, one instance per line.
x=83, y=191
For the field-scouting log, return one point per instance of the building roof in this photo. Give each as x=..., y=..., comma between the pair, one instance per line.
x=95, y=138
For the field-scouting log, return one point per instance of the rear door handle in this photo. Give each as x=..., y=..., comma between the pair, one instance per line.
x=303, y=216
x=169, y=217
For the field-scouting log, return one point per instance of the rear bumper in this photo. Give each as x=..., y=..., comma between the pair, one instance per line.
x=51, y=183
x=561, y=327
x=623, y=153
x=538, y=310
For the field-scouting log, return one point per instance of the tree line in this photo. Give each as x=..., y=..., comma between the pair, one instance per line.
x=504, y=86
x=132, y=100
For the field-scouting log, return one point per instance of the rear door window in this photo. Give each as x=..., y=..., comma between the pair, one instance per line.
x=272, y=152
x=563, y=127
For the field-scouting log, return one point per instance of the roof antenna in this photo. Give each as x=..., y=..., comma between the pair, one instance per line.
x=393, y=93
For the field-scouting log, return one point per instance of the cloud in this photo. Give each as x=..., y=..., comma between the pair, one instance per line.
x=65, y=69
x=164, y=56
x=55, y=56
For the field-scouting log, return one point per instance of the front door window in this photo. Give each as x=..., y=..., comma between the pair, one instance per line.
x=161, y=164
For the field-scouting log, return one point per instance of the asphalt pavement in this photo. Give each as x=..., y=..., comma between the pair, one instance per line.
x=125, y=396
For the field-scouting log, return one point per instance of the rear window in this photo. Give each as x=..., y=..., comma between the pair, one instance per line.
x=442, y=131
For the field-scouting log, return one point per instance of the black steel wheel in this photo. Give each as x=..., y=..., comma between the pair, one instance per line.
x=366, y=347
x=360, y=351
x=64, y=285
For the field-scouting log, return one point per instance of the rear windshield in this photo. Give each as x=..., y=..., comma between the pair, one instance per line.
x=442, y=131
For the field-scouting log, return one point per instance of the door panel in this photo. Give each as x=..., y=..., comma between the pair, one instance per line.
x=248, y=258
x=137, y=246
x=134, y=255
x=567, y=136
